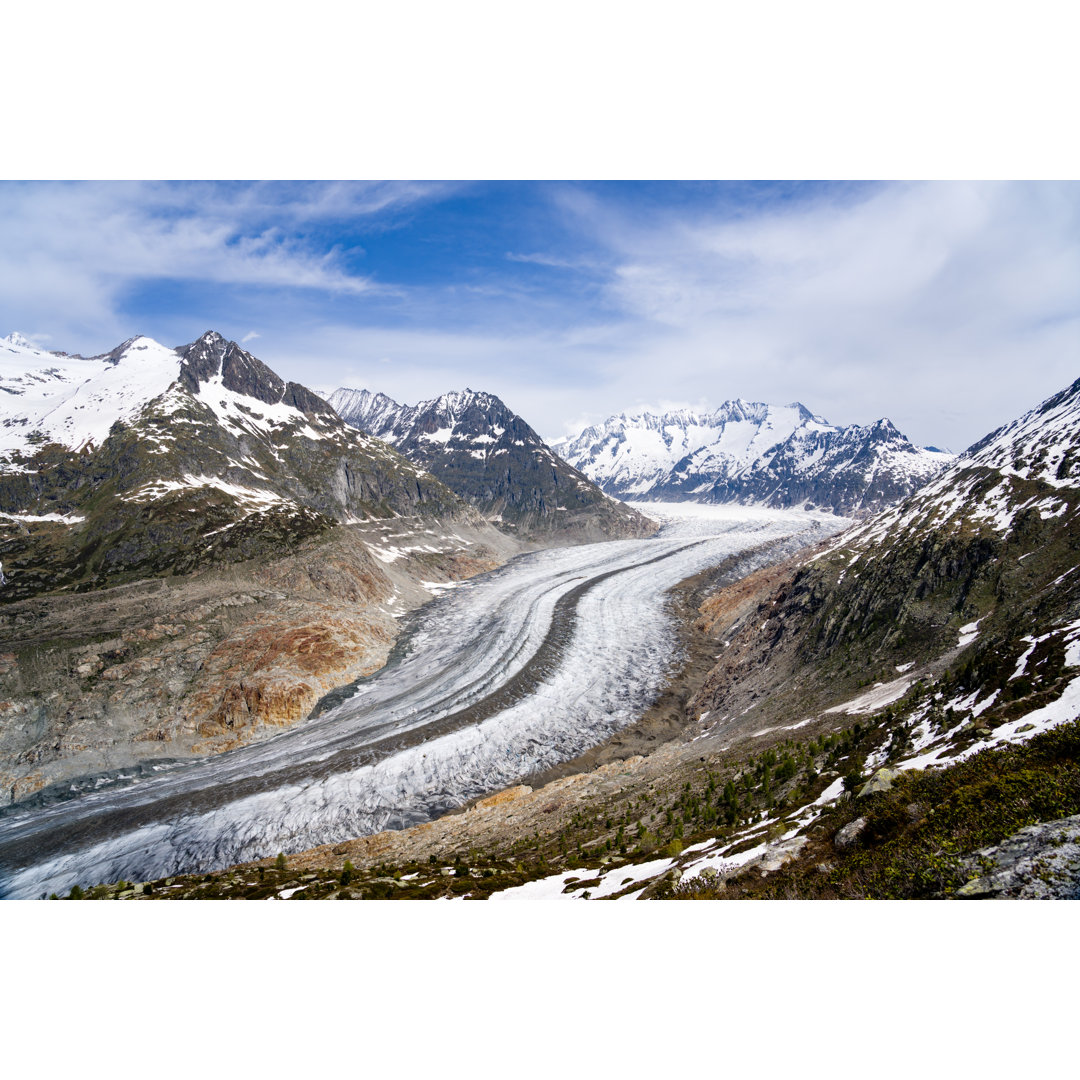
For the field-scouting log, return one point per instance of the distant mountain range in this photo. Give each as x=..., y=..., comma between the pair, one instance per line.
x=751, y=452
x=487, y=454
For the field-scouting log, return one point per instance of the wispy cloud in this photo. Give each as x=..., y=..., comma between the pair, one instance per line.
x=943, y=305
x=553, y=261
x=73, y=252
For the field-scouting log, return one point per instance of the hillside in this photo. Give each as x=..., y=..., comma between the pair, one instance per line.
x=487, y=454
x=751, y=452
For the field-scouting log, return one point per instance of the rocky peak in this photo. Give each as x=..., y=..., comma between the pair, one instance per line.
x=211, y=357
x=747, y=451
x=486, y=453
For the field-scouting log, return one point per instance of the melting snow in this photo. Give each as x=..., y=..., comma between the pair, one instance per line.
x=64, y=519
x=876, y=698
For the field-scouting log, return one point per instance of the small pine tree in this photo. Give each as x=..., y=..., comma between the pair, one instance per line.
x=279, y=862
x=346, y=873
x=76, y=893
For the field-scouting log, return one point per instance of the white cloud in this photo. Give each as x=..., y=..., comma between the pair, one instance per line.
x=946, y=306
x=251, y=335
x=553, y=261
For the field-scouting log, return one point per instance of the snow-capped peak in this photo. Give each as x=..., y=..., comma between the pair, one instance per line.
x=1031, y=465
x=15, y=338
x=72, y=400
x=462, y=414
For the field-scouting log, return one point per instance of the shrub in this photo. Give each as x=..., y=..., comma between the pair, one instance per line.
x=279, y=862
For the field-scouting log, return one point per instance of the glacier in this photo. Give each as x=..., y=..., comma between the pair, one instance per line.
x=504, y=676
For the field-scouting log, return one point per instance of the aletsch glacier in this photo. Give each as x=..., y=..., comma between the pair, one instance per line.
x=437, y=727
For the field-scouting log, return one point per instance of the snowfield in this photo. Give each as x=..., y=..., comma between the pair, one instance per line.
x=494, y=680
x=72, y=400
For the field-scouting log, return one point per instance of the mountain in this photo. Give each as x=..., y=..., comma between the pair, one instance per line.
x=961, y=602
x=489, y=456
x=148, y=460
x=751, y=452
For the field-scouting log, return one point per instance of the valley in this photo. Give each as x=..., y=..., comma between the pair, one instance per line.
x=245, y=636
x=504, y=677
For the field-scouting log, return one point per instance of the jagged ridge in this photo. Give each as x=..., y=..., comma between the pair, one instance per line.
x=491, y=457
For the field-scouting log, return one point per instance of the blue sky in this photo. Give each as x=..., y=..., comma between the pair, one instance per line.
x=949, y=307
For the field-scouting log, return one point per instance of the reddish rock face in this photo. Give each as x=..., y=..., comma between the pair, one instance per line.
x=270, y=672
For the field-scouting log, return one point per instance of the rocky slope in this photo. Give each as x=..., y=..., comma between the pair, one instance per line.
x=489, y=456
x=750, y=452
x=164, y=668
x=956, y=578
x=193, y=552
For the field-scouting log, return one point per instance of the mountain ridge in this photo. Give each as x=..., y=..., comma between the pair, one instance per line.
x=752, y=452
x=156, y=460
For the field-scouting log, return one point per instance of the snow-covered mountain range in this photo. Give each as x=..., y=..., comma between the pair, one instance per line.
x=73, y=400
x=752, y=452
x=487, y=454
x=148, y=459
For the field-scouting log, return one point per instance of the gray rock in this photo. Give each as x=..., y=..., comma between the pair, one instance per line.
x=1041, y=862
x=847, y=836
x=779, y=854
x=882, y=780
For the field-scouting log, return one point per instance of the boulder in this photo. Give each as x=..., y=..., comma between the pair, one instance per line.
x=1040, y=862
x=847, y=836
x=882, y=780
